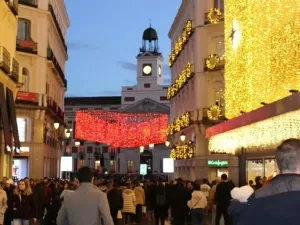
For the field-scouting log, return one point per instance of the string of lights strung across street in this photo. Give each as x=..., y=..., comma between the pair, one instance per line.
x=125, y=130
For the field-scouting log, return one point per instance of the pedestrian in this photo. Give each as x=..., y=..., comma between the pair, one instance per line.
x=86, y=205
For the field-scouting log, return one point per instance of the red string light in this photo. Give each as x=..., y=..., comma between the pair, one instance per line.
x=125, y=130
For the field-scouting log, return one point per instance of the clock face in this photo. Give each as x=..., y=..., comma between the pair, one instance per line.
x=159, y=70
x=147, y=69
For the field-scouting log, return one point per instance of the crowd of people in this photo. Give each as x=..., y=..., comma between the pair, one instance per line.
x=92, y=201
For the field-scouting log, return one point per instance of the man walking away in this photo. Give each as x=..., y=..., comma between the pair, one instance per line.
x=277, y=202
x=86, y=205
x=222, y=199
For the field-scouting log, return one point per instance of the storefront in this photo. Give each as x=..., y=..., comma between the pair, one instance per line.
x=20, y=168
x=263, y=167
x=253, y=137
x=217, y=167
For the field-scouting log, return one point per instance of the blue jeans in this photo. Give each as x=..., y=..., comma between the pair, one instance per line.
x=196, y=216
x=20, y=222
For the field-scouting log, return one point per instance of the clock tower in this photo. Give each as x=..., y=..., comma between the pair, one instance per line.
x=149, y=62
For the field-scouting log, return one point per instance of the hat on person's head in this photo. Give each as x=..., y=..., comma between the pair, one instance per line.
x=9, y=181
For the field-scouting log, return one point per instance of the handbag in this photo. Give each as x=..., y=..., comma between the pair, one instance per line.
x=119, y=215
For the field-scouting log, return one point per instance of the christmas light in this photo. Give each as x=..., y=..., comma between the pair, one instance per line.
x=179, y=123
x=126, y=130
x=181, y=42
x=183, y=78
x=267, y=134
x=185, y=151
x=214, y=16
x=263, y=65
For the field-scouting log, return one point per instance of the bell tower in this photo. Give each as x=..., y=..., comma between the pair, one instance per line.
x=149, y=61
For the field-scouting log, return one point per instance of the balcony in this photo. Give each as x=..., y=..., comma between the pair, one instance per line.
x=213, y=16
x=51, y=10
x=15, y=70
x=53, y=106
x=30, y=3
x=27, y=46
x=13, y=5
x=59, y=71
x=4, y=60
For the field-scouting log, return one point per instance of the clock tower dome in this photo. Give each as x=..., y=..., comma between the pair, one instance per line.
x=149, y=61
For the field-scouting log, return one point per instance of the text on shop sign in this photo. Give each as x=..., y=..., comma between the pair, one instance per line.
x=217, y=163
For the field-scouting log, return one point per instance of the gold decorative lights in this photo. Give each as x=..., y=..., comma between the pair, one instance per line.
x=267, y=134
x=182, y=79
x=262, y=49
x=182, y=40
x=214, y=16
x=185, y=151
x=214, y=112
x=180, y=123
x=213, y=61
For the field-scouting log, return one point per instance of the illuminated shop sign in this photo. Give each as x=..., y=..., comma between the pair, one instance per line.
x=217, y=163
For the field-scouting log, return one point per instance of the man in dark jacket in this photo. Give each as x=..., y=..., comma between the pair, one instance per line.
x=222, y=199
x=278, y=202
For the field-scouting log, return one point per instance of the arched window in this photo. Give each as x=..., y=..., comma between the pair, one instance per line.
x=25, y=79
x=24, y=29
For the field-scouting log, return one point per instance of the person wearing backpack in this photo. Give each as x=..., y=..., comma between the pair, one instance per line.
x=161, y=205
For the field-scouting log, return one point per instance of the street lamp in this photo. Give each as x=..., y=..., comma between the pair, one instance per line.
x=56, y=125
x=182, y=137
x=167, y=143
x=142, y=149
x=77, y=143
x=68, y=134
x=151, y=146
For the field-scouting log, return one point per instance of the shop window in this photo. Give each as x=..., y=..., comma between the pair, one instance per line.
x=23, y=128
x=104, y=149
x=89, y=149
x=129, y=99
x=97, y=165
x=270, y=167
x=254, y=168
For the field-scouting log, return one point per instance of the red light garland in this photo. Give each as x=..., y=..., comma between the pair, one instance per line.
x=125, y=130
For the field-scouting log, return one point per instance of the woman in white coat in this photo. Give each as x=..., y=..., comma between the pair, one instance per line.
x=3, y=205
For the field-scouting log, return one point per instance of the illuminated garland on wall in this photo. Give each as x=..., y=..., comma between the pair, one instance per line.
x=214, y=16
x=267, y=134
x=181, y=42
x=180, y=123
x=182, y=79
x=185, y=151
x=262, y=54
x=214, y=112
x=213, y=61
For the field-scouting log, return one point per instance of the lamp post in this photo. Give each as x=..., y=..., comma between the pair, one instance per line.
x=77, y=144
x=142, y=148
x=151, y=146
x=56, y=125
x=182, y=136
x=167, y=143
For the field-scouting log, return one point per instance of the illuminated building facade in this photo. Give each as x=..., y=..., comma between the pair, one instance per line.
x=262, y=83
x=42, y=53
x=197, y=89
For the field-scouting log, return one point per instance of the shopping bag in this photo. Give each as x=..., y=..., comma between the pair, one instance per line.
x=119, y=215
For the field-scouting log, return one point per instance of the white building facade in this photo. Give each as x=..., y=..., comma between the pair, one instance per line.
x=148, y=95
x=197, y=43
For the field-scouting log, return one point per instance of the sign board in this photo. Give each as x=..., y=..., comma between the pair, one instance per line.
x=168, y=165
x=217, y=163
x=143, y=169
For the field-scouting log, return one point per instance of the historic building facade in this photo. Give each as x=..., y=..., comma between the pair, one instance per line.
x=42, y=53
x=10, y=79
x=148, y=95
x=196, y=93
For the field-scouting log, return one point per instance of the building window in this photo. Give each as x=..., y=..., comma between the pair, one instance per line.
x=89, y=149
x=113, y=108
x=163, y=98
x=129, y=99
x=129, y=89
x=24, y=29
x=104, y=149
x=83, y=108
x=147, y=85
x=25, y=80
x=68, y=109
x=98, y=108
x=130, y=166
x=219, y=4
x=21, y=122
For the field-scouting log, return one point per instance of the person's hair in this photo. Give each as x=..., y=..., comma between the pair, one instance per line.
x=288, y=155
x=224, y=176
x=196, y=187
x=27, y=191
x=85, y=175
x=257, y=179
